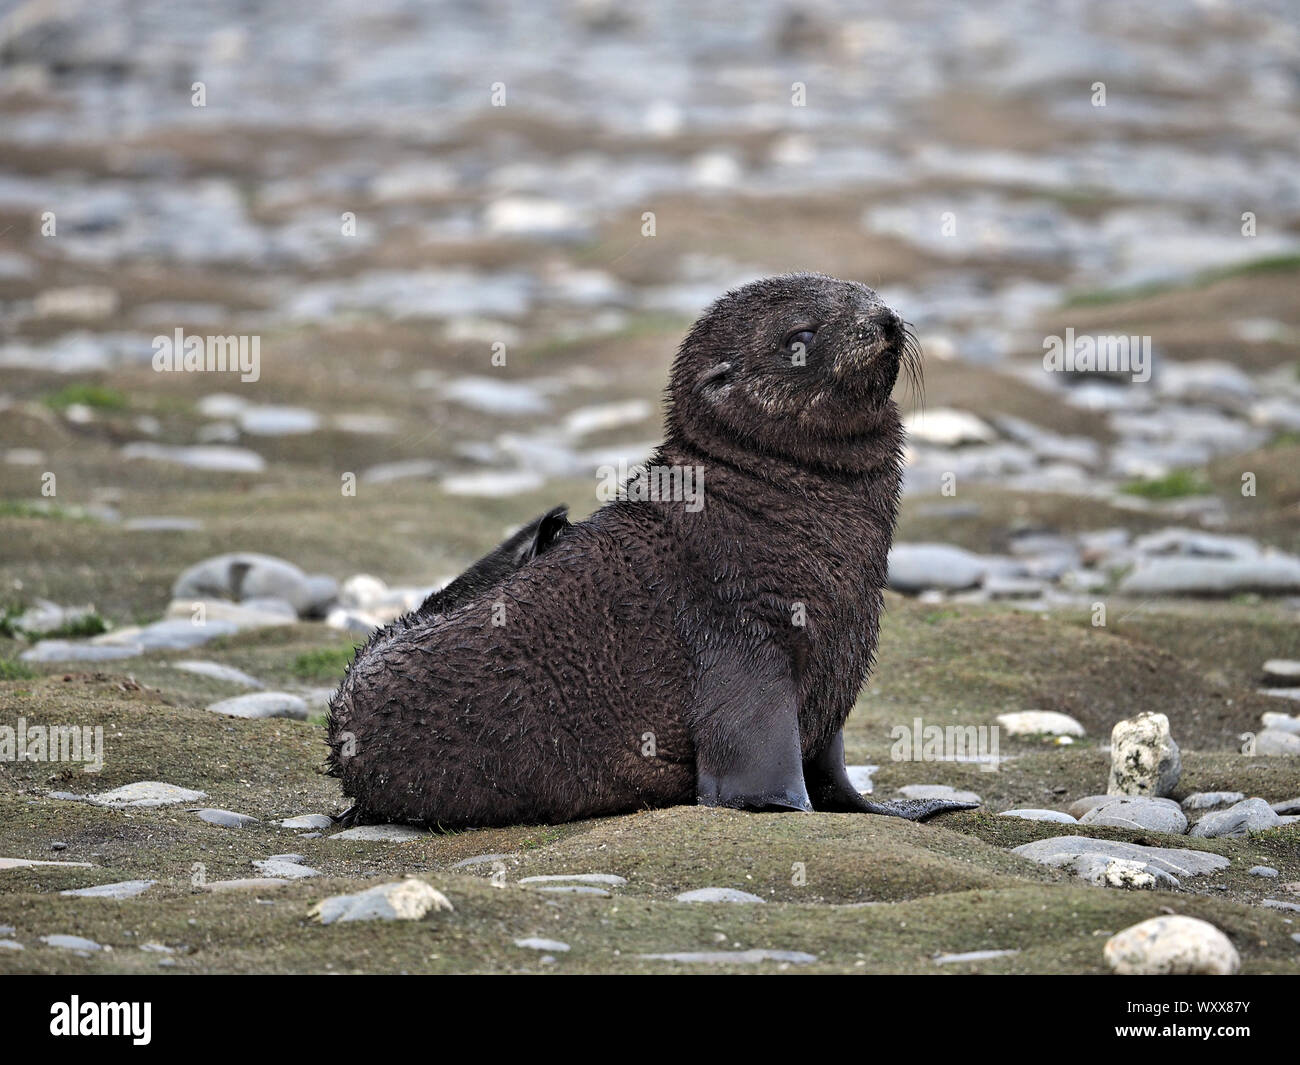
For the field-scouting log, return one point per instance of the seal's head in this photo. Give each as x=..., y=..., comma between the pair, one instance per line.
x=791, y=361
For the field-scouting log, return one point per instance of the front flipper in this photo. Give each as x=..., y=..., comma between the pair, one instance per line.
x=745, y=727
x=831, y=790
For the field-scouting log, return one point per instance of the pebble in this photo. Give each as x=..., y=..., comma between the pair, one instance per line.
x=1144, y=758
x=1059, y=850
x=380, y=833
x=717, y=894
x=11, y=944
x=1206, y=800
x=1273, y=742
x=973, y=955
x=918, y=567
x=1157, y=815
x=1281, y=722
x=216, y=671
x=1278, y=904
x=70, y=943
x=261, y=705
x=226, y=818
x=734, y=957
x=1040, y=815
x=1040, y=723
x=1207, y=576
x=1282, y=671
x=536, y=943
x=1262, y=870
x=146, y=793
x=1081, y=806
x=402, y=900
x=1240, y=819
x=214, y=458
x=1171, y=945
x=938, y=791
x=947, y=427
x=575, y=889
x=280, y=868
x=480, y=859
x=312, y=821
x=78, y=651
x=608, y=879
x=27, y=863
x=126, y=889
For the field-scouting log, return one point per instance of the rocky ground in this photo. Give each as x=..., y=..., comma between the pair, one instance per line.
x=1086, y=546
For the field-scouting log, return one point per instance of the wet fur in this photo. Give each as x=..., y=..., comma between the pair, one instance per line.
x=649, y=656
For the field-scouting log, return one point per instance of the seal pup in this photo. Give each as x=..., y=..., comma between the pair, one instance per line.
x=660, y=653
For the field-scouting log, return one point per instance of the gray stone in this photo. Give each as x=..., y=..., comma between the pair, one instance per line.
x=70, y=943
x=310, y=821
x=480, y=859
x=1277, y=574
x=380, y=833
x=734, y=957
x=78, y=651
x=1157, y=815
x=1278, y=904
x=917, y=567
x=860, y=777
x=249, y=575
x=608, y=879
x=28, y=863
x=1287, y=806
x=1081, y=806
x=213, y=458
x=288, y=870
x=1171, y=945
x=973, y=955
x=1175, y=861
x=575, y=889
x=535, y=943
x=1207, y=800
x=11, y=944
x=1281, y=722
x=717, y=894
x=1040, y=815
x=226, y=818
x=403, y=900
x=146, y=793
x=1273, y=742
x=260, y=705
x=216, y=671
x=126, y=889
x=1144, y=759
x=1266, y=871
x=170, y=634
x=1240, y=819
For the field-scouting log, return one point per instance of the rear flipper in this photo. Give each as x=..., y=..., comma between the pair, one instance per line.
x=498, y=564
x=831, y=791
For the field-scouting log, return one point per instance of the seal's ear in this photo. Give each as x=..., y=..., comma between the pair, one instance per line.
x=712, y=384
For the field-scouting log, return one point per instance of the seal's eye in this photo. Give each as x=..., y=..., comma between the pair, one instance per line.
x=800, y=336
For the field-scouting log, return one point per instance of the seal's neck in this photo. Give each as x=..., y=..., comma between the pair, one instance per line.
x=876, y=453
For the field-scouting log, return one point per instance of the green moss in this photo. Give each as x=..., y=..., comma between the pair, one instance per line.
x=326, y=663
x=12, y=669
x=1174, y=485
x=87, y=395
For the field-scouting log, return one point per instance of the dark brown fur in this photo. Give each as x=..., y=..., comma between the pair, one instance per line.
x=652, y=656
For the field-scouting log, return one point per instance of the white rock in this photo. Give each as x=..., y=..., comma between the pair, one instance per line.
x=1144, y=758
x=125, y=889
x=554, y=946
x=1240, y=819
x=380, y=833
x=1276, y=742
x=717, y=894
x=146, y=793
x=262, y=705
x=1171, y=945
x=1040, y=723
x=1282, y=669
x=608, y=879
x=946, y=427
x=404, y=900
x=308, y=821
x=916, y=567
x=1138, y=812
x=215, y=670
x=1040, y=815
